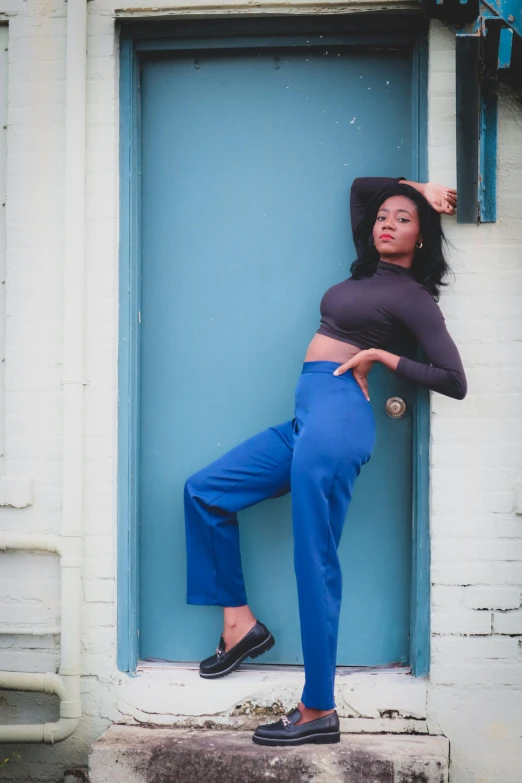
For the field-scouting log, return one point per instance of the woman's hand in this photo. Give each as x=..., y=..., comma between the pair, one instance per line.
x=441, y=198
x=361, y=364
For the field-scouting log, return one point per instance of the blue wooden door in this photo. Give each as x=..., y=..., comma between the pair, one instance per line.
x=247, y=160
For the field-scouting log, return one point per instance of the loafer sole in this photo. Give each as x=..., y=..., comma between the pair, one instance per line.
x=255, y=652
x=324, y=738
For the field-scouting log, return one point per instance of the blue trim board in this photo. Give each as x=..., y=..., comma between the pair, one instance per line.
x=487, y=191
x=420, y=584
x=505, y=48
x=128, y=362
x=137, y=39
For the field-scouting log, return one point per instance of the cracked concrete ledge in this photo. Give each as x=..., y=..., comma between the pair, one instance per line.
x=249, y=722
x=376, y=701
x=126, y=754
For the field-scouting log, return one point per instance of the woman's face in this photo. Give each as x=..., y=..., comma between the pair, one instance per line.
x=397, y=229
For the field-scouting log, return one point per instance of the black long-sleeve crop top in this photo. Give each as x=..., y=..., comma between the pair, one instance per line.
x=390, y=308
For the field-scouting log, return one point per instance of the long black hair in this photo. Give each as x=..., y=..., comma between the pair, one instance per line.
x=429, y=265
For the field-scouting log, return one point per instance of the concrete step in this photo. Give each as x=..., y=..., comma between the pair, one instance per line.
x=129, y=754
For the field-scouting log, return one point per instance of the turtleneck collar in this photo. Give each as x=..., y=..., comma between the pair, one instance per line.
x=389, y=266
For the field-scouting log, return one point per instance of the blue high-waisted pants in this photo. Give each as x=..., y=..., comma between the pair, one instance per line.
x=318, y=454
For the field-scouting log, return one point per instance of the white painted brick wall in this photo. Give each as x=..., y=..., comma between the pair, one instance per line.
x=508, y=622
x=475, y=684
x=492, y=597
x=476, y=669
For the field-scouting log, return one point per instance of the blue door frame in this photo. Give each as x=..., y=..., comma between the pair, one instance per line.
x=136, y=40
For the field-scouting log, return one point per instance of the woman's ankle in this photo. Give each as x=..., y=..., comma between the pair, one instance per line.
x=310, y=713
x=237, y=617
x=237, y=622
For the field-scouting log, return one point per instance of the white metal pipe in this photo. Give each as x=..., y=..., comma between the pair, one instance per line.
x=39, y=732
x=43, y=543
x=69, y=544
x=68, y=691
x=70, y=617
x=28, y=681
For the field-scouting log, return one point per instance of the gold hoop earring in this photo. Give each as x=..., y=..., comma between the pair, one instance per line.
x=419, y=246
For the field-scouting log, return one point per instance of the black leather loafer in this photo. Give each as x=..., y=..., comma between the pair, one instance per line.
x=256, y=642
x=323, y=731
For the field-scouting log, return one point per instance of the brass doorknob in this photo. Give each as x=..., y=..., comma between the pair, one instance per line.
x=395, y=407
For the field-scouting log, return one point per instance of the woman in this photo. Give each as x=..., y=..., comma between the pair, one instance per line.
x=390, y=297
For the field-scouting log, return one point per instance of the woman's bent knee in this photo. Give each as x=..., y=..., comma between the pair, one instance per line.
x=195, y=485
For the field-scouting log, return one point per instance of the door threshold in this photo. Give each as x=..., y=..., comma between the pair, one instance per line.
x=156, y=663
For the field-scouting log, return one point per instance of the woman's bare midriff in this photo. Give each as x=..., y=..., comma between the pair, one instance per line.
x=326, y=349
